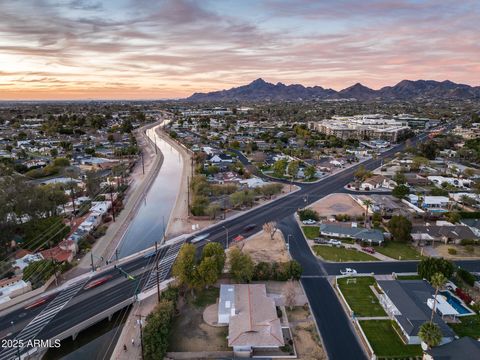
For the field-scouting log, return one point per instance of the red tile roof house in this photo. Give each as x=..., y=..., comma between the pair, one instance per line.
x=252, y=318
x=63, y=252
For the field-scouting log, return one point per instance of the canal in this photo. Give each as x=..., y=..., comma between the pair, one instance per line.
x=147, y=226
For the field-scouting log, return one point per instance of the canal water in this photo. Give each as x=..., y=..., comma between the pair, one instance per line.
x=148, y=226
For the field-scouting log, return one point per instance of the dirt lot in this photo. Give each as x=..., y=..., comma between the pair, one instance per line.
x=191, y=334
x=262, y=248
x=337, y=204
x=307, y=342
x=462, y=253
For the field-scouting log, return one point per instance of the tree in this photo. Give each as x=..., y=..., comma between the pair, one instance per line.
x=310, y=172
x=241, y=266
x=429, y=266
x=215, y=250
x=279, y=167
x=400, y=228
x=93, y=183
x=208, y=273
x=453, y=217
x=400, y=178
x=184, y=266
x=437, y=281
x=294, y=270
x=400, y=191
x=289, y=294
x=213, y=210
x=429, y=149
x=430, y=334
x=368, y=203
x=293, y=168
x=157, y=330
x=270, y=228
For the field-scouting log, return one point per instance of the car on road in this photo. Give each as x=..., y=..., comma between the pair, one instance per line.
x=39, y=302
x=97, y=282
x=249, y=227
x=334, y=242
x=368, y=249
x=309, y=222
x=200, y=238
x=348, y=271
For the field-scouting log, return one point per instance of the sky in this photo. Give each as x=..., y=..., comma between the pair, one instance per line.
x=157, y=49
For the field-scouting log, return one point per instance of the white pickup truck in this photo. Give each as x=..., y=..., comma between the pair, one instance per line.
x=348, y=271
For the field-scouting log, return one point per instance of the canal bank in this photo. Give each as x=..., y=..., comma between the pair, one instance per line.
x=145, y=223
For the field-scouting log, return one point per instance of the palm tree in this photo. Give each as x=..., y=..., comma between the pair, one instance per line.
x=430, y=334
x=437, y=281
x=368, y=204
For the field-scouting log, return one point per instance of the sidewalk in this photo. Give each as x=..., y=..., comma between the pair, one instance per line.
x=131, y=330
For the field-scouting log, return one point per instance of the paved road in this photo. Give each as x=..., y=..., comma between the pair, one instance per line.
x=333, y=324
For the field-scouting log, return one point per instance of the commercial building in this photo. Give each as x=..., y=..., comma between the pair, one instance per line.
x=363, y=127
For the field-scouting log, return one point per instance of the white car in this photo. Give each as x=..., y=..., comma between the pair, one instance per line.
x=348, y=271
x=334, y=242
x=200, y=238
x=309, y=222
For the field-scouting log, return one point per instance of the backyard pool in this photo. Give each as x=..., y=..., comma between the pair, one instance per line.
x=456, y=303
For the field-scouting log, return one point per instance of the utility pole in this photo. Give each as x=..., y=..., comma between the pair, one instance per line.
x=116, y=254
x=113, y=205
x=91, y=258
x=226, y=230
x=143, y=164
x=155, y=139
x=156, y=270
x=54, y=263
x=188, y=195
x=72, y=194
x=163, y=226
x=141, y=333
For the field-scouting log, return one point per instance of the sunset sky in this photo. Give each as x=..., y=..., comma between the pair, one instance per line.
x=152, y=49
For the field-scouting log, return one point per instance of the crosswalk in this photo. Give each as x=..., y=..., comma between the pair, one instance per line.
x=164, y=266
x=34, y=327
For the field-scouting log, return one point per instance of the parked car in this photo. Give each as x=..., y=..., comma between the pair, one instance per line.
x=369, y=250
x=309, y=222
x=348, y=271
x=320, y=241
x=334, y=242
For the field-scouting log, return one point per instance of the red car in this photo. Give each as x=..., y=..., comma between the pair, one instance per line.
x=369, y=250
x=39, y=302
x=97, y=282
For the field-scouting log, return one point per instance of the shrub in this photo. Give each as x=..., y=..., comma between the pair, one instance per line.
x=452, y=251
x=308, y=214
x=463, y=295
x=157, y=330
x=467, y=242
x=470, y=249
x=466, y=276
x=262, y=271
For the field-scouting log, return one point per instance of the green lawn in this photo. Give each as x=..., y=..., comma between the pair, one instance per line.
x=395, y=249
x=311, y=232
x=331, y=253
x=470, y=326
x=385, y=341
x=360, y=297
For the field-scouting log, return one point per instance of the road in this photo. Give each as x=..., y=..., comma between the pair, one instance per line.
x=76, y=304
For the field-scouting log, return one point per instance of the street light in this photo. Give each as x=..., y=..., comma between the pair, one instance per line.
x=226, y=230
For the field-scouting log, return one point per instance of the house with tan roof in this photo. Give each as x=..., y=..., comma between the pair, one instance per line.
x=251, y=317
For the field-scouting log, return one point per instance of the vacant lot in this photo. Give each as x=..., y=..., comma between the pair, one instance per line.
x=398, y=250
x=305, y=335
x=330, y=253
x=335, y=204
x=463, y=252
x=360, y=297
x=191, y=333
x=385, y=341
x=262, y=248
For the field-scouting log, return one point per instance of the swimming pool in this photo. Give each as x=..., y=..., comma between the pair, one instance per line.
x=456, y=303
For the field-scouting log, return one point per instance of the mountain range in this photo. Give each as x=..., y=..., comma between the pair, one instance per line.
x=260, y=90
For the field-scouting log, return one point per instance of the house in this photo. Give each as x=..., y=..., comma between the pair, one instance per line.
x=473, y=224
x=406, y=302
x=373, y=182
x=220, y=158
x=27, y=259
x=253, y=182
x=464, y=348
x=251, y=317
x=457, y=182
x=435, y=203
x=13, y=287
x=372, y=236
x=446, y=234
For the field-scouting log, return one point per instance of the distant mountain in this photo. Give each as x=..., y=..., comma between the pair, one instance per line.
x=260, y=90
